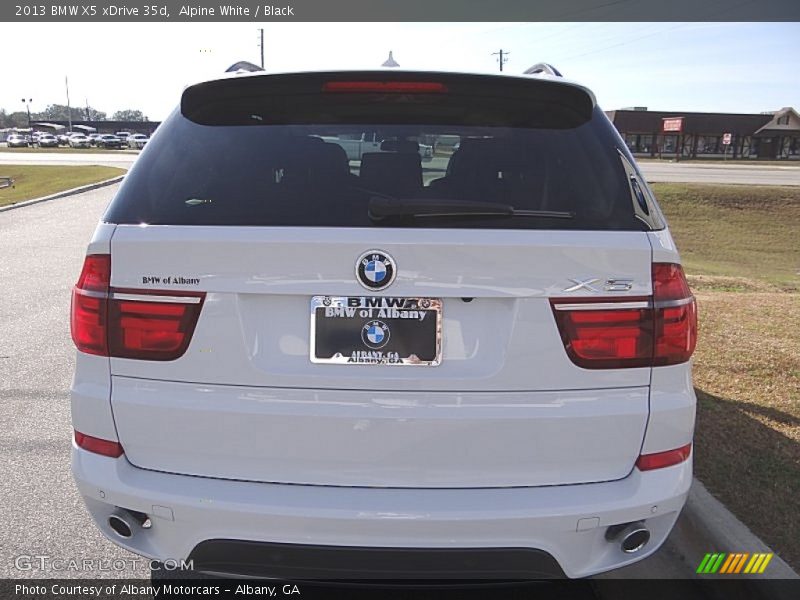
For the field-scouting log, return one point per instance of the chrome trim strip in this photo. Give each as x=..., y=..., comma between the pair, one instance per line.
x=154, y=298
x=603, y=305
x=671, y=303
x=91, y=293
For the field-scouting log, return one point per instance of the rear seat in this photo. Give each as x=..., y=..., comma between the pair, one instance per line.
x=393, y=173
x=311, y=161
x=493, y=170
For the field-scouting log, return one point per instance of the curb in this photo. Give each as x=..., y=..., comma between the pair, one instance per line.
x=72, y=192
x=706, y=525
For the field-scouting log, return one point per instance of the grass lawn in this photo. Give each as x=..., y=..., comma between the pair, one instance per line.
x=746, y=232
x=35, y=181
x=741, y=250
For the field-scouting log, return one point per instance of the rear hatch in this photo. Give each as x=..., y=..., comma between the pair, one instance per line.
x=288, y=315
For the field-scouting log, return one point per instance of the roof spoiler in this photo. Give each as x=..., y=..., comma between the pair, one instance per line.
x=243, y=65
x=543, y=68
x=246, y=100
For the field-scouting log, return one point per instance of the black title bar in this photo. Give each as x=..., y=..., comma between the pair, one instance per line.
x=400, y=10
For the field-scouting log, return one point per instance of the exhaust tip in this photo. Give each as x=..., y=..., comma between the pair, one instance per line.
x=632, y=536
x=634, y=539
x=120, y=526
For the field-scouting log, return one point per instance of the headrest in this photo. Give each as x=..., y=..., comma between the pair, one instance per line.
x=403, y=146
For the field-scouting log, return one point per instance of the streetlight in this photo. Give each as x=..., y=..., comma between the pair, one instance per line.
x=28, y=107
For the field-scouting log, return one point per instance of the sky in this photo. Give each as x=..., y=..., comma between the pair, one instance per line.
x=717, y=67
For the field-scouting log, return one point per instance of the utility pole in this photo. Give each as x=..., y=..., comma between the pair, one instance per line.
x=28, y=107
x=503, y=57
x=262, y=47
x=69, y=109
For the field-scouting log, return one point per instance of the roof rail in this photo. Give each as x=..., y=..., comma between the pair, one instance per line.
x=243, y=65
x=545, y=68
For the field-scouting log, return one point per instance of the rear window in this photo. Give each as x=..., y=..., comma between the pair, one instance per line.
x=244, y=153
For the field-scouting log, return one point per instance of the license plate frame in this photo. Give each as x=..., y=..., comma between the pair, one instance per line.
x=376, y=330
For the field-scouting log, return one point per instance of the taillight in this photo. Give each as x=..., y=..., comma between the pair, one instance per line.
x=615, y=333
x=384, y=87
x=88, y=318
x=151, y=327
x=659, y=460
x=98, y=445
x=141, y=324
x=675, y=315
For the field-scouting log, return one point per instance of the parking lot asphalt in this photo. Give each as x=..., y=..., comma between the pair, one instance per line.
x=122, y=160
x=738, y=173
x=41, y=252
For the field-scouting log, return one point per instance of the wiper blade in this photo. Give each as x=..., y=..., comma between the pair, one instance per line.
x=384, y=208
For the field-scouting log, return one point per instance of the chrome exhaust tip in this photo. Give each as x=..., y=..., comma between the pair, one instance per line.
x=632, y=536
x=120, y=525
x=123, y=522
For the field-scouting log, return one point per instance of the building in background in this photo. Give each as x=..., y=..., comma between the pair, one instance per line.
x=767, y=136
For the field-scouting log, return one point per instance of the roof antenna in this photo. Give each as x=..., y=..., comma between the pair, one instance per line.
x=545, y=68
x=390, y=62
x=243, y=65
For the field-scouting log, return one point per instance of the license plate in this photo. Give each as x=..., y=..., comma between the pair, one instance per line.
x=370, y=330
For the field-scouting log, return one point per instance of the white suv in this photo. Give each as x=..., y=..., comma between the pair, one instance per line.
x=297, y=365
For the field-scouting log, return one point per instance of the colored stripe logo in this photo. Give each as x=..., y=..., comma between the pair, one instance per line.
x=734, y=563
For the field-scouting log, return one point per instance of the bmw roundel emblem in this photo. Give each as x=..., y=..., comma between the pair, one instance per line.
x=375, y=334
x=375, y=270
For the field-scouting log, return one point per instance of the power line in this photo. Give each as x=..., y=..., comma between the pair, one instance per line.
x=678, y=26
x=628, y=41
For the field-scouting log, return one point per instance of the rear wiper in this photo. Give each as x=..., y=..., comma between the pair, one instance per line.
x=385, y=208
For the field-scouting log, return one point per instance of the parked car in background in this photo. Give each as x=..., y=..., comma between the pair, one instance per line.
x=123, y=135
x=47, y=140
x=63, y=138
x=16, y=140
x=93, y=138
x=355, y=145
x=79, y=141
x=137, y=141
x=108, y=140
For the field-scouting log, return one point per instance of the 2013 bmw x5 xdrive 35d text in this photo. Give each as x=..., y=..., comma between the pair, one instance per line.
x=299, y=365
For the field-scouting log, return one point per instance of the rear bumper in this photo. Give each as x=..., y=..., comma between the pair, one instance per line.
x=567, y=523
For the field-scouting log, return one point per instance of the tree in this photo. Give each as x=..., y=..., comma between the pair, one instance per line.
x=60, y=112
x=128, y=115
x=53, y=112
x=96, y=115
x=15, y=119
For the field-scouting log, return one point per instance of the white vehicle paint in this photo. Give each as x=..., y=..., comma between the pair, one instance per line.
x=554, y=408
